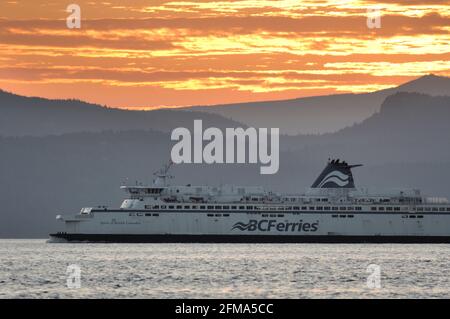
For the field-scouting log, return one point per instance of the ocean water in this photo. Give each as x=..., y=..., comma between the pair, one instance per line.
x=36, y=269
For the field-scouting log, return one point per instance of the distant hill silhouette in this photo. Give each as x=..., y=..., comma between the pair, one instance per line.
x=21, y=116
x=322, y=114
x=405, y=144
x=412, y=118
x=427, y=84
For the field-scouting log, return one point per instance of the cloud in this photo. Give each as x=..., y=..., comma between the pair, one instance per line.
x=191, y=52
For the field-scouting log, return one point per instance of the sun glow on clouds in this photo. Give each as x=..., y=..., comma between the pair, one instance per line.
x=162, y=53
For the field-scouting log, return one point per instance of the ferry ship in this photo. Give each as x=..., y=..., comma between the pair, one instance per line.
x=332, y=210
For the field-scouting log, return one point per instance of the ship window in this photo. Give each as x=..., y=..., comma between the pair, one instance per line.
x=250, y=207
x=319, y=208
x=349, y=208
x=442, y=209
x=304, y=208
x=233, y=207
x=342, y=216
x=389, y=208
x=171, y=207
x=280, y=215
x=448, y=209
x=241, y=207
x=148, y=214
x=350, y=216
x=273, y=215
x=265, y=215
x=412, y=216
x=373, y=208
x=420, y=209
x=155, y=214
x=381, y=208
x=156, y=207
x=218, y=207
x=312, y=208
x=163, y=207
x=397, y=208
x=358, y=208
x=343, y=208
x=326, y=208
x=202, y=207
x=210, y=215
x=226, y=215
x=435, y=209
x=187, y=207
x=179, y=207
x=218, y=215
x=226, y=207
x=334, y=216
x=420, y=216
x=335, y=208
x=194, y=207
x=148, y=206
x=428, y=209
x=296, y=208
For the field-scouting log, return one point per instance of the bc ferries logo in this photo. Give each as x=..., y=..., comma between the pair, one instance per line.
x=241, y=226
x=269, y=225
x=337, y=178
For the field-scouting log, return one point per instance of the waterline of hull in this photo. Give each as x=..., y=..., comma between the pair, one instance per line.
x=165, y=238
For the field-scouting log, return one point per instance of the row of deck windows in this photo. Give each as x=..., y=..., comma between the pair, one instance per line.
x=270, y=215
x=141, y=214
x=342, y=216
x=433, y=209
x=298, y=208
x=381, y=209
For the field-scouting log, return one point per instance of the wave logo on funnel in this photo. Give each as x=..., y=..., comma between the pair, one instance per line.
x=241, y=226
x=337, y=178
x=336, y=174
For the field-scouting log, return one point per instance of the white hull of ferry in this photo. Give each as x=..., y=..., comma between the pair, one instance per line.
x=112, y=226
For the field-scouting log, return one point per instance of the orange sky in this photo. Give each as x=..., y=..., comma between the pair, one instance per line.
x=155, y=53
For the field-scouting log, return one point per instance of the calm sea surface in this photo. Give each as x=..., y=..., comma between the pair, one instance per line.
x=36, y=269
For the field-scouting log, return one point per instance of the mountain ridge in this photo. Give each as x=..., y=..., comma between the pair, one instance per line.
x=323, y=114
x=35, y=116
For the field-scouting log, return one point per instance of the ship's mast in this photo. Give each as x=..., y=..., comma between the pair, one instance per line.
x=163, y=174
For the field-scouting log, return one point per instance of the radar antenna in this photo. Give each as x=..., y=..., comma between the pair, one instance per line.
x=163, y=174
